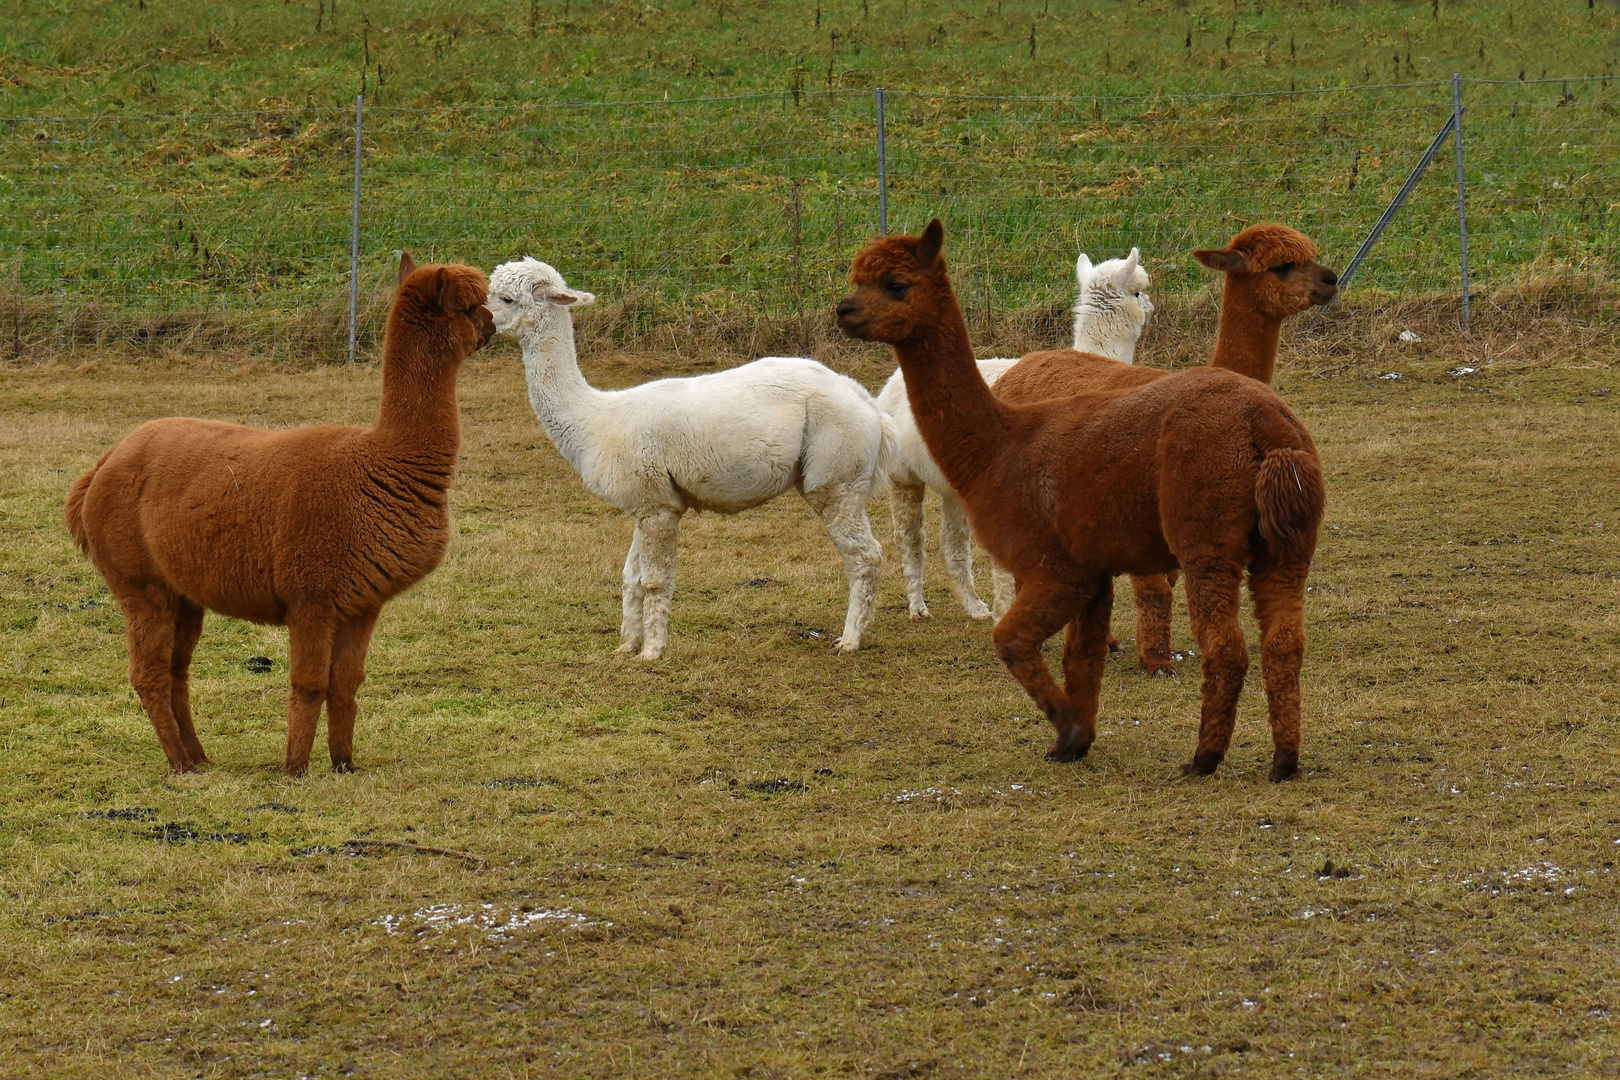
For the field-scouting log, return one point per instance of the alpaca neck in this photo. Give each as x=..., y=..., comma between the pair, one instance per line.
x=419, y=412
x=565, y=404
x=1123, y=349
x=1247, y=340
x=961, y=421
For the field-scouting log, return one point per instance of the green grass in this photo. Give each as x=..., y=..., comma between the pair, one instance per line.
x=767, y=861
x=182, y=174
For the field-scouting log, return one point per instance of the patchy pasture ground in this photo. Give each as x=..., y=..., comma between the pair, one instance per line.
x=755, y=859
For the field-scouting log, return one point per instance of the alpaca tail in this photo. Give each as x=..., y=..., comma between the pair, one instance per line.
x=75, y=506
x=1290, y=492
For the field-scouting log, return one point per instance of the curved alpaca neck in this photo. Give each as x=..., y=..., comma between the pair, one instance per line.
x=961, y=421
x=419, y=413
x=1247, y=340
x=565, y=404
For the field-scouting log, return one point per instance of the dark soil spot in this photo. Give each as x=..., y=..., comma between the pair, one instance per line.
x=133, y=813
x=259, y=664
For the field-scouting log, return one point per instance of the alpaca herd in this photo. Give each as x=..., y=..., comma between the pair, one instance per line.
x=1075, y=468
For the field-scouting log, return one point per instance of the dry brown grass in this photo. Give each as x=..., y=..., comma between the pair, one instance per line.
x=785, y=863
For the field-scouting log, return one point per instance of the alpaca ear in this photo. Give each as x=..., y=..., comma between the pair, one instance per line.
x=1228, y=262
x=1122, y=280
x=563, y=297
x=1082, y=269
x=407, y=266
x=448, y=286
x=933, y=238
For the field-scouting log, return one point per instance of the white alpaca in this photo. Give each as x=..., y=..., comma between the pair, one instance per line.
x=723, y=442
x=1109, y=314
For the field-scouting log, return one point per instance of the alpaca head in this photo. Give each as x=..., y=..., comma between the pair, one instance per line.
x=1274, y=269
x=1113, y=304
x=901, y=288
x=444, y=297
x=527, y=293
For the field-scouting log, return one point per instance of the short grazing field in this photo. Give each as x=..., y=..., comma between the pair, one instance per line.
x=756, y=859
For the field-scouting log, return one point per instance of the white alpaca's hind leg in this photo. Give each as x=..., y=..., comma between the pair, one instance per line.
x=906, y=501
x=657, y=531
x=843, y=513
x=631, y=633
x=1006, y=588
x=957, y=540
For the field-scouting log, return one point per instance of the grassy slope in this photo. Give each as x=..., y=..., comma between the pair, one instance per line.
x=131, y=227
x=175, y=56
x=936, y=899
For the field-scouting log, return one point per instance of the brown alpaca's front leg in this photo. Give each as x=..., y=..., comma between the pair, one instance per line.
x=188, y=625
x=349, y=648
x=1279, y=606
x=1085, y=656
x=1155, y=595
x=1212, y=598
x=310, y=642
x=149, y=625
x=1039, y=611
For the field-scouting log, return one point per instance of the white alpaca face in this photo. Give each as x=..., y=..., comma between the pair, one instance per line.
x=527, y=289
x=1116, y=290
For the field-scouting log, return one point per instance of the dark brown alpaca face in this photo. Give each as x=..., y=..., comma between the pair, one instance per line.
x=896, y=287
x=452, y=296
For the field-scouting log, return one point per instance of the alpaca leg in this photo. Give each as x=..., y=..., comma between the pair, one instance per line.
x=1085, y=656
x=1039, y=611
x=1279, y=605
x=843, y=514
x=310, y=642
x=657, y=531
x=149, y=624
x=631, y=631
x=1213, y=597
x=1154, y=596
x=1006, y=587
x=348, y=671
x=188, y=625
x=906, y=502
x=957, y=540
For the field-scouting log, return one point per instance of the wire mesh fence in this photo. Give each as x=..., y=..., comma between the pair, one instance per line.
x=233, y=228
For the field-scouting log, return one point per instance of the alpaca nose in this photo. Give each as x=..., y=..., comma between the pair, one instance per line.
x=1329, y=277
x=847, y=307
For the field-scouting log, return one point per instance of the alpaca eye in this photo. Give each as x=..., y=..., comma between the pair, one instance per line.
x=897, y=289
x=1283, y=269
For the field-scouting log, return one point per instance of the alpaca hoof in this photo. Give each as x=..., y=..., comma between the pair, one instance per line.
x=841, y=646
x=920, y=612
x=978, y=609
x=295, y=769
x=1113, y=644
x=1202, y=765
x=1284, y=767
x=344, y=766
x=629, y=648
x=650, y=653
x=1069, y=747
x=1159, y=669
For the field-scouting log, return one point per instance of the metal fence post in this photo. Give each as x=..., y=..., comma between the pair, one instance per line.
x=354, y=230
x=883, y=171
x=1462, y=204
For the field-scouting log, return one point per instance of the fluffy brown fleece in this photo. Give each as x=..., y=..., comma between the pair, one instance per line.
x=314, y=528
x=1271, y=274
x=1203, y=469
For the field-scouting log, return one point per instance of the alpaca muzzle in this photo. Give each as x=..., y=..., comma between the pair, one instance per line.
x=485, y=322
x=850, y=320
x=1325, y=288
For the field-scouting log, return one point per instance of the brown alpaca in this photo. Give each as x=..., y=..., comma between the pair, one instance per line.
x=1271, y=274
x=1203, y=469
x=314, y=528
